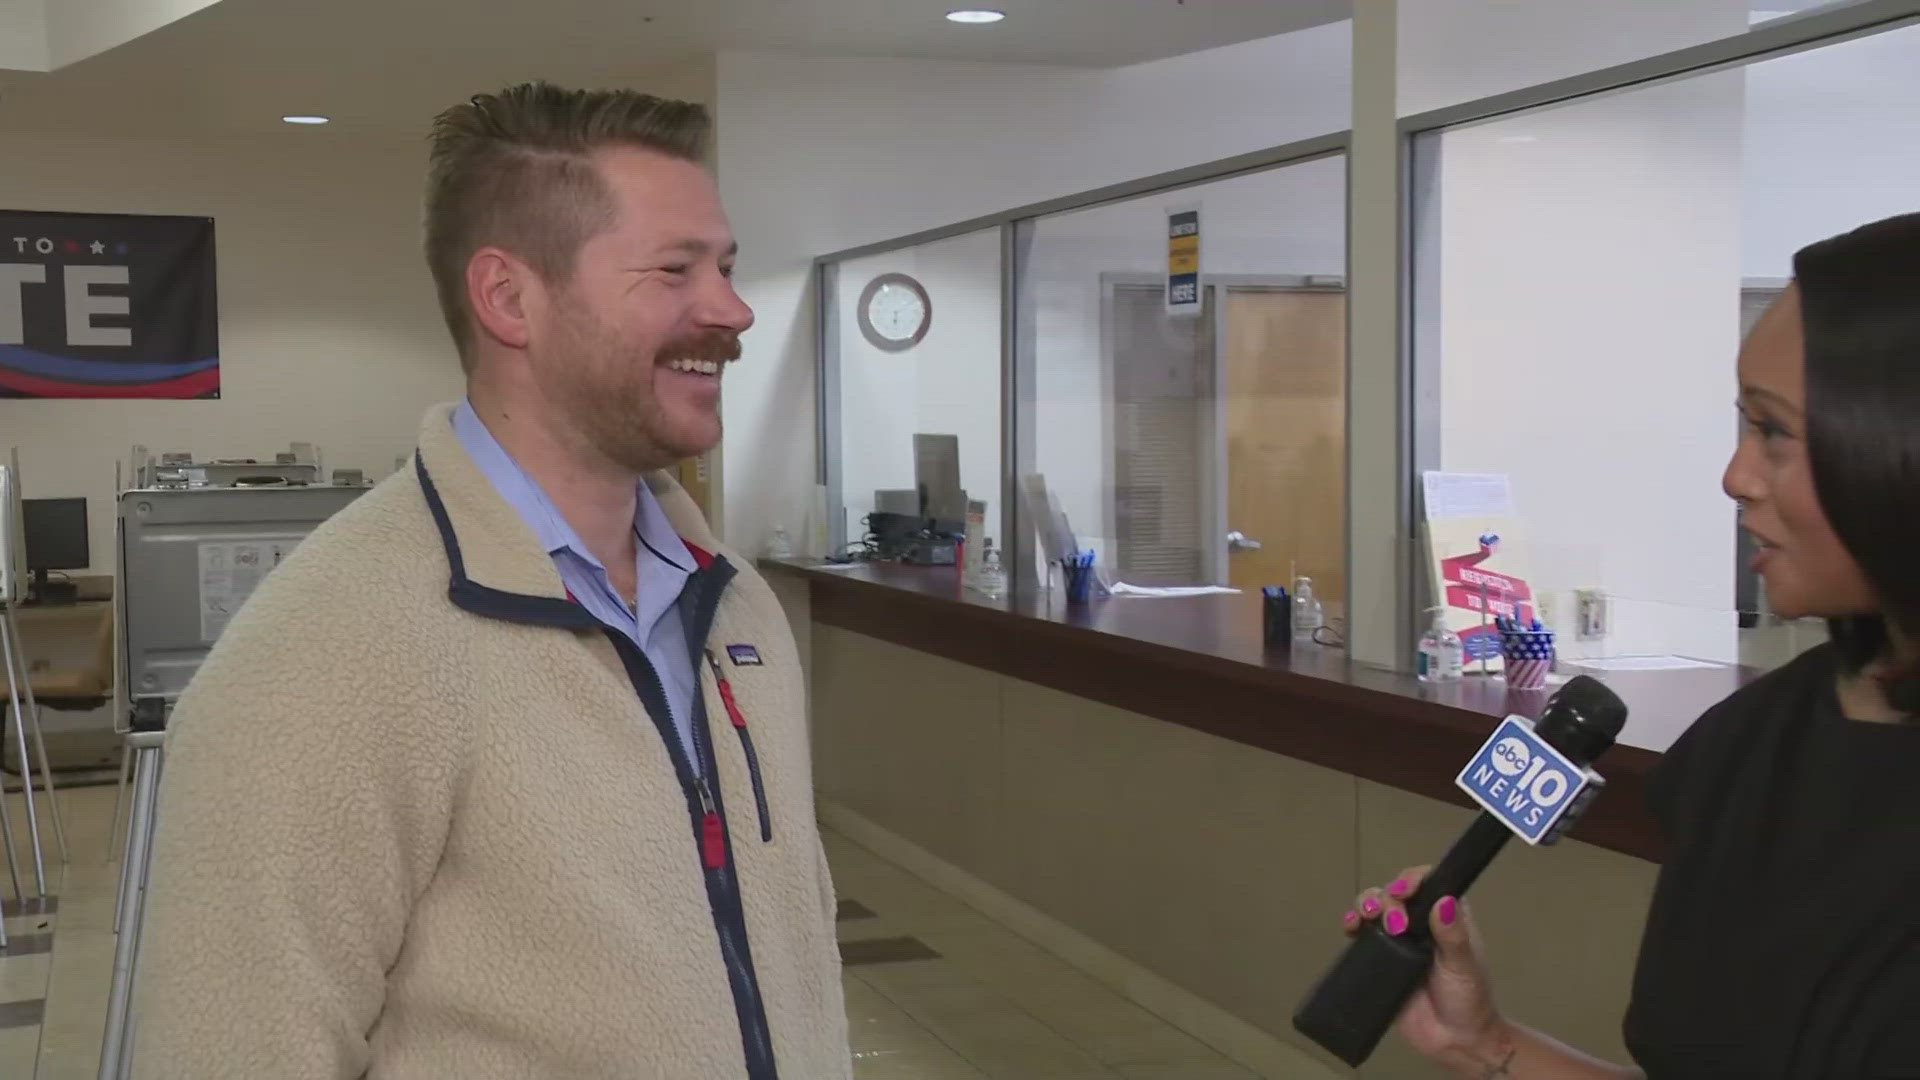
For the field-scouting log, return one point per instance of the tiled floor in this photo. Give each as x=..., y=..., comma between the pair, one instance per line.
x=58, y=964
x=935, y=991
x=992, y=1005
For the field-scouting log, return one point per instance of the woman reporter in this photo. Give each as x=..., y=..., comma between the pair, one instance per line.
x=1784, y=935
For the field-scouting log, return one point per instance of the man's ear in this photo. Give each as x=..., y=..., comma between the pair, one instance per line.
x=497, y=285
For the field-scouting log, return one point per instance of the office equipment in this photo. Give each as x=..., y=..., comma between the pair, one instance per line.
x=189, y=557
x=936, y=476
x=299, y=464
x=891, y=535
x=191, y=552
x=933, y=551
x=55, y=538
x=902, y=501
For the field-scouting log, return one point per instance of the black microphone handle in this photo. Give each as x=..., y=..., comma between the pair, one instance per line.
x=1355, y=1003
x=1458, y=869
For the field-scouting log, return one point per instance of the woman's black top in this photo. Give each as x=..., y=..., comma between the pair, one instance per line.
x=1784, y=937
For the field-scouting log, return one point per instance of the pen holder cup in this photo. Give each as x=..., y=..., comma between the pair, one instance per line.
x=1276, y=619
x=1078, y=579
x=1528, y=656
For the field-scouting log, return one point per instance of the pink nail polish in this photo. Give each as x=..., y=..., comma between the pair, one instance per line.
x=1351, y=918
x=1396, y=922
x=1371, y=907
x=1449, y=910
x=1398, y=888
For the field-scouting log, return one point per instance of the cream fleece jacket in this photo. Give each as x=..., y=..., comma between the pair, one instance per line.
x=416, y=823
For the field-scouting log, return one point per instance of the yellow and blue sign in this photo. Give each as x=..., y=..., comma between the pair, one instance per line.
x=1183, y=262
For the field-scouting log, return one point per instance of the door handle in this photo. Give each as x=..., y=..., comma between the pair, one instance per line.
x=1239, y=541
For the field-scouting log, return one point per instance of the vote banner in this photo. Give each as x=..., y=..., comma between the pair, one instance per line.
x=107, y=306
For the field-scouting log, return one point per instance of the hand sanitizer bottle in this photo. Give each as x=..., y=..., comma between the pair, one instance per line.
x=992, y=582
x=1442, y=658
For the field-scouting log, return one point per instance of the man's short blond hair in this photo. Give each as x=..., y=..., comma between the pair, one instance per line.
x=514, y=170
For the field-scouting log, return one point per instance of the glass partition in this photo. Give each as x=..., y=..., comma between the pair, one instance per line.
x=1583, y=275
x=1200, y=442
x=914, y=350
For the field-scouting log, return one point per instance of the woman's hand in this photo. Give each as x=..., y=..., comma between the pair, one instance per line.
x=1451, y=1019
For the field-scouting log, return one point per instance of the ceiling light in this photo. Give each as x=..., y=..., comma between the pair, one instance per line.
x=975, y=16
x=306, y=119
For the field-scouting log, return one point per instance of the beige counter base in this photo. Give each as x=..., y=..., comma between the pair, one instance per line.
x=1202, y=878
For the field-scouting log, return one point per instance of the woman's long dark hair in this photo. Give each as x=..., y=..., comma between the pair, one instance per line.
x=1860, y=311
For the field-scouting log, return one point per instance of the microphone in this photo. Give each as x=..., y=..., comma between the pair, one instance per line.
x=1533, y=780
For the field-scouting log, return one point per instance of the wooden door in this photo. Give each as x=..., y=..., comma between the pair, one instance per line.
x=1286, y=409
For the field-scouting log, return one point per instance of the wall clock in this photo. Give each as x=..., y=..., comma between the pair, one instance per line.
x=894, y=312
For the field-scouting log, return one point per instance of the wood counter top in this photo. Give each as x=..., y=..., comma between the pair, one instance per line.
x=1200, y=662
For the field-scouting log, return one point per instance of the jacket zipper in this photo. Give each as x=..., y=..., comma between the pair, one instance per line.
x=699, y=604
x=713, y=831
x=734, y=948
x=746, y=744
x=723, y=887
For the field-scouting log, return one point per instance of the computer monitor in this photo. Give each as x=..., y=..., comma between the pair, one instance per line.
x=936, y=475
x=56, y=537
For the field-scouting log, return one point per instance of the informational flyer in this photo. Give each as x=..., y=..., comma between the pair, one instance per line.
x=1476, y=558
x=229, y=572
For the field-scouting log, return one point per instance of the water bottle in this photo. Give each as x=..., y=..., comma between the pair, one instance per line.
x=781, y=545
x=992, y=580
x=1306, y=608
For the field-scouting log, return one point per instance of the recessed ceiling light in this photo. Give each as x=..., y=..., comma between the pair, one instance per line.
x=306, y=119
x=975, y=16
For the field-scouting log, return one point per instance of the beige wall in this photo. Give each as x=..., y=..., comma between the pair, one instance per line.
x=329, y=332
x=1220, y=868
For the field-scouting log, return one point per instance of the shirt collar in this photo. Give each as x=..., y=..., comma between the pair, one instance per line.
x=550, y=527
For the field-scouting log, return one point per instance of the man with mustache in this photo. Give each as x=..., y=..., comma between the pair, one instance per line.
x=504, y=774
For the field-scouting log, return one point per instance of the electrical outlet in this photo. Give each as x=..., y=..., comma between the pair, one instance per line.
x=1590, y=614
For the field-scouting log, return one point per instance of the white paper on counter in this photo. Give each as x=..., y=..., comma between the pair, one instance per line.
x=1640, y=663
x=1124, y=589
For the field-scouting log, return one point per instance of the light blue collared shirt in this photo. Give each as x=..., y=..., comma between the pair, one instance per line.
x=663, y=566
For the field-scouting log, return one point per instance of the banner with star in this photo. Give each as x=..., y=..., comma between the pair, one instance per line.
x=107, y=306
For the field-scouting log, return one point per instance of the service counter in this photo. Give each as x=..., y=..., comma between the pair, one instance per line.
x=1144, y=786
